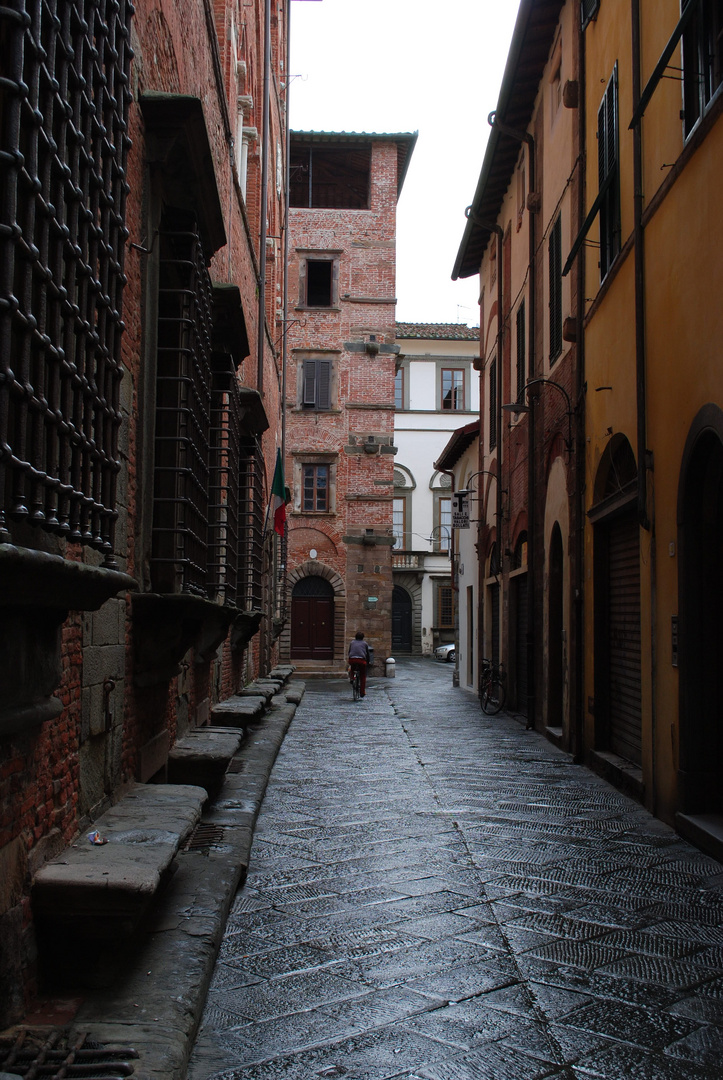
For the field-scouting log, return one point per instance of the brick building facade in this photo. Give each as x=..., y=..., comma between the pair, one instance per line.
x=140, y=311
x=340, y=392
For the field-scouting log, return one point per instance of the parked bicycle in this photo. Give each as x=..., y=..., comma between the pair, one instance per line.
x=491, y=688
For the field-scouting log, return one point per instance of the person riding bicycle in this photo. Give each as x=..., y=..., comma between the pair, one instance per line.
x=359, y=658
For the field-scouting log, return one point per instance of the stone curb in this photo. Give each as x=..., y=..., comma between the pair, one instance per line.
x=157, y=1005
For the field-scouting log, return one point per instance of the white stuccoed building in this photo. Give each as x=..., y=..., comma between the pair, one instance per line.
x=437, y=392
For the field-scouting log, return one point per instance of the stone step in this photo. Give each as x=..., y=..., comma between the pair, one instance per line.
x=90, y=899
x=202, y=757
x=239, y=711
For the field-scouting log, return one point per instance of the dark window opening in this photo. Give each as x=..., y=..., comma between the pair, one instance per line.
x=325, y=177
x=702, y=58
x=319, y=279
x=317, y=384
x=607, y=152
x=64, y=113
x=555, y=268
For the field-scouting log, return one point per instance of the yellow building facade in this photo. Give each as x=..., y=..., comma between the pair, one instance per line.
x=651, y=251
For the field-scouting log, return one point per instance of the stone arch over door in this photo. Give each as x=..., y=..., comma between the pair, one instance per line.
x=312, y=568
x=700, y=604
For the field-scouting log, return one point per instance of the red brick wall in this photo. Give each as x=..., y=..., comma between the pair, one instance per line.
x=364, y=482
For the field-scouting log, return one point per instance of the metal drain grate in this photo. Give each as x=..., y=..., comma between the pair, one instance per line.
x=203, y=838
x=236, y=765
x=56, y=1055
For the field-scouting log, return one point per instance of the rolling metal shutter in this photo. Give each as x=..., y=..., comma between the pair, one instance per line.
x=625, y=712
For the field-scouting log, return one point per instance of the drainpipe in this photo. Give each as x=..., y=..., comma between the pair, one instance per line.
x=579, y=505
x=261, y=336
x=532, y=208
x=644, y=519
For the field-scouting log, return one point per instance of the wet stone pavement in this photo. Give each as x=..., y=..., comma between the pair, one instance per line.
x=440, y=895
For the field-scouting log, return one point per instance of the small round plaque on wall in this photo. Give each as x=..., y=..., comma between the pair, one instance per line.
x=312, y=553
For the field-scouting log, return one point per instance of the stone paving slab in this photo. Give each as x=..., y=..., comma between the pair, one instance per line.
x=438, y=895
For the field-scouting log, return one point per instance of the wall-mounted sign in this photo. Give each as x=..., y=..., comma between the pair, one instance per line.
x=460, y=510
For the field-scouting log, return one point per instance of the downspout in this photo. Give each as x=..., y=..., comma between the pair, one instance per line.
x=260, y=340
x=287, y=201
x=285, y=295
x=644, y=519
x=578, y=726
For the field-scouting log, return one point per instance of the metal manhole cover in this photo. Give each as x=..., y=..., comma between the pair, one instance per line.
x=56, y=1055
x=203, y=838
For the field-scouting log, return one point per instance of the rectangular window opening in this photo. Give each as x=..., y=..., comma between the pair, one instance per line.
x=319, y=281
x=453, y=389
x=317, y=384
x=702, y=59
x=326, y=177
x=315, y=495
x=607, y=152
x=493, y=404
x=521, y=349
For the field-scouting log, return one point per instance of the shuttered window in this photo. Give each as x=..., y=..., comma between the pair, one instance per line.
x=493, y=404
x=607, y=153
x=521, y=352
x=445, y=609
x=317, y=384
x=555, y=271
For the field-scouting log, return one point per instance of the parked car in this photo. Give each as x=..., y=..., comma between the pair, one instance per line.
x=445, y=652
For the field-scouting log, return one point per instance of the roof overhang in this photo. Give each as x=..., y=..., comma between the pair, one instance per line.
x=459, y=442
x=529, y=51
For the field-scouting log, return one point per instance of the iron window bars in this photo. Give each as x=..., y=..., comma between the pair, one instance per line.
x=64, y=111
x=183, y=411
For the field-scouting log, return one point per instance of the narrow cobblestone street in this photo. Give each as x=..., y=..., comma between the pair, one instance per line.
x=442, y=895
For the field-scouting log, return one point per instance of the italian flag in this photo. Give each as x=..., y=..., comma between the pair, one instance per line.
x=278, y=496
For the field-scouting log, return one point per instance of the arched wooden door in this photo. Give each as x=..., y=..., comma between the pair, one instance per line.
x=312, y=620
x=401, y=620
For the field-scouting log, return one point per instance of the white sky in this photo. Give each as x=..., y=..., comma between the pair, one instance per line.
x=410, y=65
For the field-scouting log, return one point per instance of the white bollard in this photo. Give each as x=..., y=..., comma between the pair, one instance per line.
x=390, y=668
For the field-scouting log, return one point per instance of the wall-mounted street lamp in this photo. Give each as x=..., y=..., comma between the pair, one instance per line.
x=516, y=407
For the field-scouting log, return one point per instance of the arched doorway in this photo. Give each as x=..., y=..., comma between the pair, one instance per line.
x=701, y=628
x=555, y=651
x=618, y=655
x=401, y=620
x=312, y=619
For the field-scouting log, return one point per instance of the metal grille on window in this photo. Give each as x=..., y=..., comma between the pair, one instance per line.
x=224, y=537
x=179, y=558
x=63, y=120
x=251, y=522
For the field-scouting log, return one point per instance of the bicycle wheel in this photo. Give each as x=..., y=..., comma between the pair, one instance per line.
x=493, y=697
x=356, y=684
